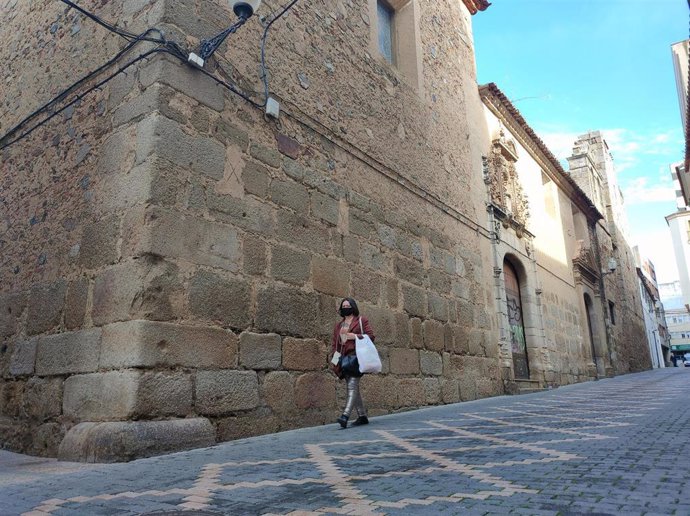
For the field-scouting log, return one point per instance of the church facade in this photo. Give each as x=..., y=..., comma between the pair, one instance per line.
x=174, y=255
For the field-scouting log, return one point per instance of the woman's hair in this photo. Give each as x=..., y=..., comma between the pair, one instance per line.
x=353, y=304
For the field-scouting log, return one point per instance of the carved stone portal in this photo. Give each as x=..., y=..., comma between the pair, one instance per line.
x=504, y=185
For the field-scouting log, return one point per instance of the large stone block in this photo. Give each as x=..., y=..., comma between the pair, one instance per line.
x=410, y=270
x=42, y=398
x=432, y=390
x=75, y=303
x=223, y=392
x=11, y=307
x=414, y=300
x=291, y=195
x=250, y=214
x=434, y=335
x=287, y=310
x=146, y=287
x=224, y=301
x=125, y=441
x=24, y=357
x=416, y=333
x=438, y=307
x=164, y=393
x=183, y=79
x=450, y=392
x=431, y=363
x=99, y=243
x=11, y=397
x=68, y=353
x=382, y=322
x=254, y=256
x=172, y=234
x=366, y=286
x=270, y=157
x=330, y=276
x=315, y=390
x=290, y=265
x=278, y=391
x=325, y=208
x=260, y=351
x=256, y=179
x=303, y=232
x=162, y=137
x=404, y=361
x=402, y=331
x=379, y=391
x=371, y=256
x=45, y=306
x=101, y=396
x=304, y=354
x=411, y=392
x=158, y=344
x=256, y=422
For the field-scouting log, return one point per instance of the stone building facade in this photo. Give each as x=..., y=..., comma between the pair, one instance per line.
x=544, y=231
x=172, y=258
x=591, y=166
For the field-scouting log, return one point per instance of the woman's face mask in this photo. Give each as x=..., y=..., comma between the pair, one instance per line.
x=345, y=311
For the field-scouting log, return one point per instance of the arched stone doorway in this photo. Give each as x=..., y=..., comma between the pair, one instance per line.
x=518, y=344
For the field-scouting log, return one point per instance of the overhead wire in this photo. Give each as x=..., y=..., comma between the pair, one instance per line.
x=264, y=37
x=113, y=28
x=170, y=47
x=80, y=96
x=61, y=96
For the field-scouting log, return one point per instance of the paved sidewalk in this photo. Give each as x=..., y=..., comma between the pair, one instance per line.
x=616, y=446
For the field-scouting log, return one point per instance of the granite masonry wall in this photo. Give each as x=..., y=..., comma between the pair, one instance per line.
x=172, y=260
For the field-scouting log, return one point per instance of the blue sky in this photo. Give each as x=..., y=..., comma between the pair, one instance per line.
x=571, y=66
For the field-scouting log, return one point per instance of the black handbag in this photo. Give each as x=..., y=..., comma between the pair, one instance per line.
x=349, y=365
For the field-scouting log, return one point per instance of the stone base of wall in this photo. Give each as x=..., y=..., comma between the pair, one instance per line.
x=128, y=440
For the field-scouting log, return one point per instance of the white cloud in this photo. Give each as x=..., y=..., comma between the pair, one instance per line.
x=657, y=247
x=628, y=148
x=640, y=191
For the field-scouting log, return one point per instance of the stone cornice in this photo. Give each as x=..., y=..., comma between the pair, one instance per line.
x=500, y=106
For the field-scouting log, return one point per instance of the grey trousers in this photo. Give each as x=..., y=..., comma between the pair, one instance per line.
x=354, y=399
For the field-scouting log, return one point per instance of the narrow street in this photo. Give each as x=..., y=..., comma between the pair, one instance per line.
x=616, y=446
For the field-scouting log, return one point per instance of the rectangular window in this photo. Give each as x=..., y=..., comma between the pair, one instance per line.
x=395, y=38
x=612, y=312
x=385, y=19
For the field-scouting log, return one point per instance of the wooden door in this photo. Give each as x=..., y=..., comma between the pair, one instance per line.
x=518, y=345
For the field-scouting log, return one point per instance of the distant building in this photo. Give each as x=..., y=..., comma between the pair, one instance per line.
x=592, y=168
x=681, y=58
x=679, y=222
x=658, y=335
x=677, y=317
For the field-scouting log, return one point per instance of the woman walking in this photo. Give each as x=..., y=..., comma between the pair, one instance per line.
x=345, y=331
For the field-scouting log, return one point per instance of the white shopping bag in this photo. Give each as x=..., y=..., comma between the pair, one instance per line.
x=367, y=356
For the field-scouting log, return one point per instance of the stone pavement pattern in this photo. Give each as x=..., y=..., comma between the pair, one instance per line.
x=609, y=447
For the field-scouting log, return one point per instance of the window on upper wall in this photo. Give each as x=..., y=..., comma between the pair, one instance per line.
x=395, y=37
x=612, y=312
x=385, y=25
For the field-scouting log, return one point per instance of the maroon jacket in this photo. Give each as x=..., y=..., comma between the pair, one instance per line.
x=349, y=346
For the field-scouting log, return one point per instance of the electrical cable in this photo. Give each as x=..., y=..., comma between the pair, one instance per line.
x=169, y=47
x=264, y=74
x=113, y=28
x=60, y=96
x=77, y=98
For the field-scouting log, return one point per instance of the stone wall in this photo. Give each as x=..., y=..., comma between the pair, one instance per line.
x=173, y=261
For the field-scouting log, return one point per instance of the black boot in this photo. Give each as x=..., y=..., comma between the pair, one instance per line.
x=343, y=421
x=361, y=420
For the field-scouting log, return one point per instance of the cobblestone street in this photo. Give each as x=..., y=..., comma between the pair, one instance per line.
x=616, y=446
